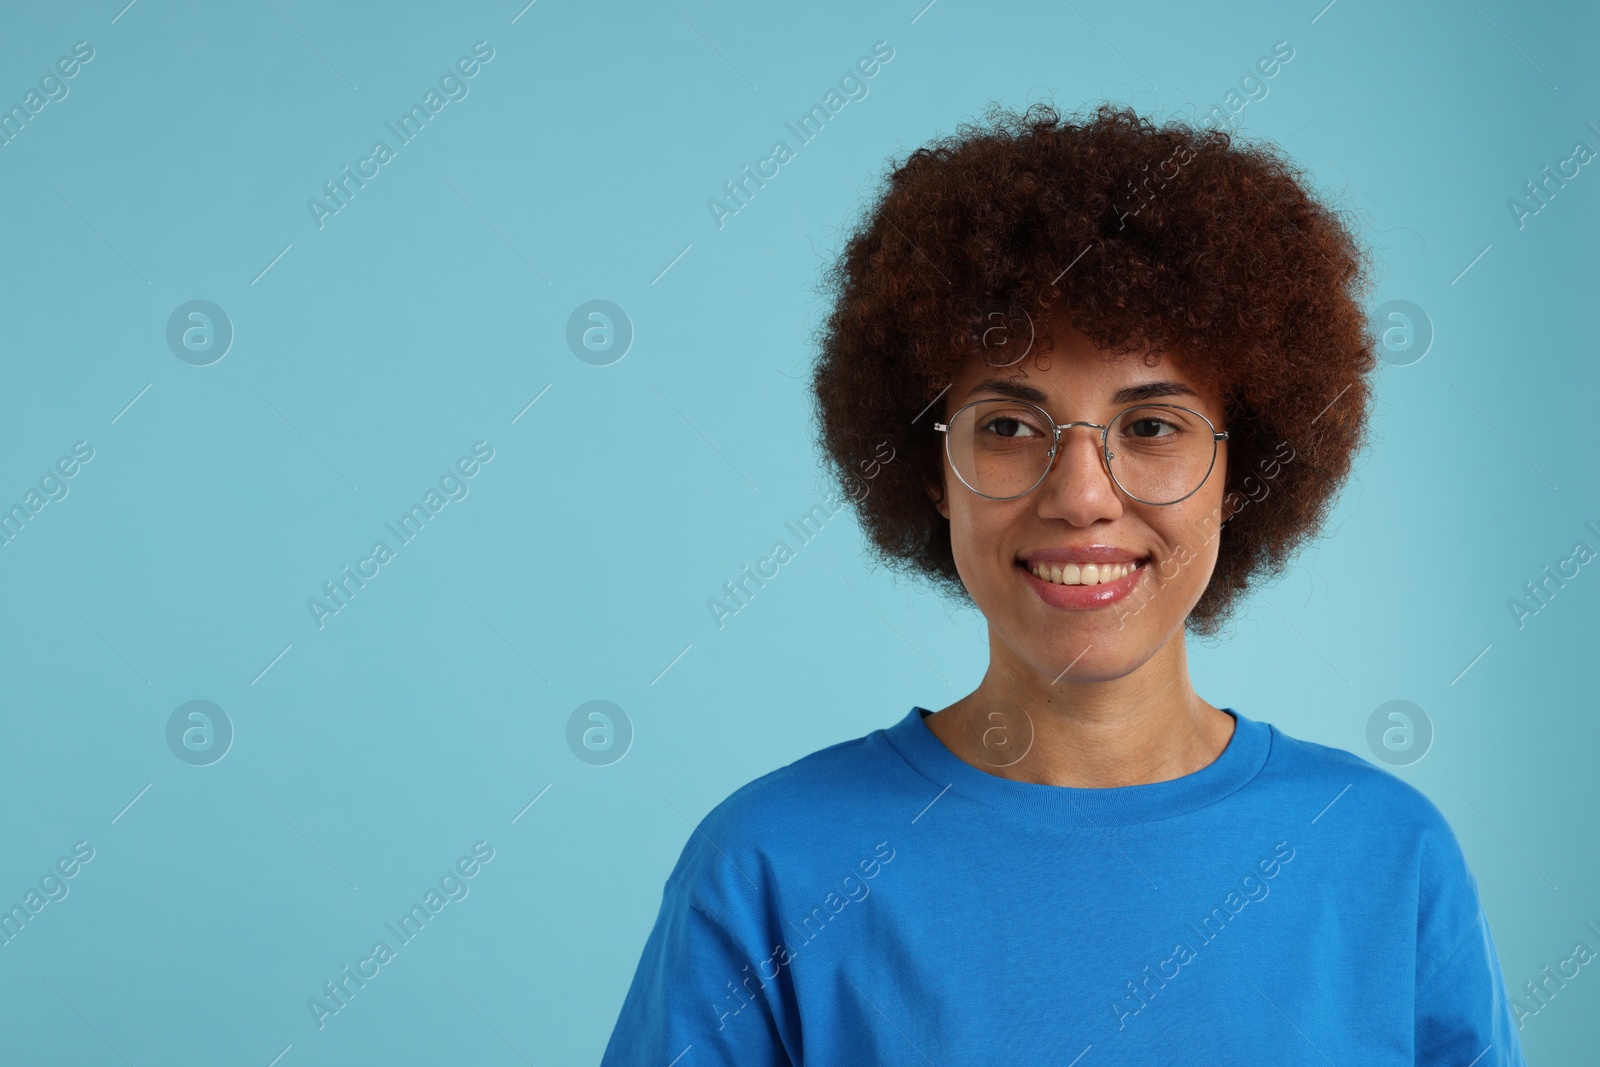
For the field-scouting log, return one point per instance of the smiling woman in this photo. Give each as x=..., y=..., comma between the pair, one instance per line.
x=1065, y=822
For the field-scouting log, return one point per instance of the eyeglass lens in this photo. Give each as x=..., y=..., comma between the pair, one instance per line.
x=1158, y=454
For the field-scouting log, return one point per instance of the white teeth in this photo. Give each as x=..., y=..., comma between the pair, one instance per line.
x=1087, y=574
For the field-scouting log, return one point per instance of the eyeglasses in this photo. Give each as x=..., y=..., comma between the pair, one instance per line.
x=1155, y=453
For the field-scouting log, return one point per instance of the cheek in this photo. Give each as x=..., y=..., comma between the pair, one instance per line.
x=967, y=535
x=976, y=536
x=1191, y=539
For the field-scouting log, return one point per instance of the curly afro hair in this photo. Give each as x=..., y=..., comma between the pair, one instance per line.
x=1146, y=237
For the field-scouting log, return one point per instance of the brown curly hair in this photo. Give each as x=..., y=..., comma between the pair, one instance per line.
x=1145, y=237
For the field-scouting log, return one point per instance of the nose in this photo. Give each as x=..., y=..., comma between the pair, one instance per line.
x=1078, y=487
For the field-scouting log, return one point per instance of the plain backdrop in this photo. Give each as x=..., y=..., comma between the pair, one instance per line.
x=373, y=347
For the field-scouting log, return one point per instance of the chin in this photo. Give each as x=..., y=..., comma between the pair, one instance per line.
x=1103, y=661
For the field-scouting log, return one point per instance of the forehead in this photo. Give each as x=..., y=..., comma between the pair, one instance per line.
x=1089, y=377
x=1066, y=364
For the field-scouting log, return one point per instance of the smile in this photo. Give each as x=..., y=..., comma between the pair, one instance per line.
x=1086, y=574
x=1080, y=586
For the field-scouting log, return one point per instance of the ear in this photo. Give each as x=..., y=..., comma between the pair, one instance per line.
x=940, y=501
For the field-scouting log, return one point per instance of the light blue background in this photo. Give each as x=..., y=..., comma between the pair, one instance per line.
x=429, y=312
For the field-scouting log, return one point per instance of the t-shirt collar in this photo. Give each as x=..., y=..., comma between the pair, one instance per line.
x=1089, y=808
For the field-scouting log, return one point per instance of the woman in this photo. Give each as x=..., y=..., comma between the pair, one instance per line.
x=1124, y=371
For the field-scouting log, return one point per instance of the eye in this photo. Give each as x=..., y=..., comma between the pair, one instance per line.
x=1157, y=427
x=1011, y=426
x=1150, y=426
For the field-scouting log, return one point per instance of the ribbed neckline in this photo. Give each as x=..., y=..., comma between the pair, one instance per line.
x=1073, y=807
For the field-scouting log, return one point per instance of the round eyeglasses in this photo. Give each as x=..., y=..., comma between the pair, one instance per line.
x=1155, y=453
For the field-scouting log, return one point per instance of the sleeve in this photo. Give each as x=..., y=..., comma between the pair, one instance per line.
x=1463, y=1011
x=694, y=989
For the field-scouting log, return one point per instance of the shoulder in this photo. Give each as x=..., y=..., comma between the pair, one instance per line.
x=1382, y=831
x=1342, y=779
x=824, y=812
x=1368, y=806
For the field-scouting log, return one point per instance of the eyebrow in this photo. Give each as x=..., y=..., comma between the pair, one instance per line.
x=1130, y=395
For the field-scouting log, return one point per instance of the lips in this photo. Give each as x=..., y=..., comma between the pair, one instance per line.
x=1082, y=577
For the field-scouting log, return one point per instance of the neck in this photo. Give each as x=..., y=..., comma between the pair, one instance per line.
x=1146, y=726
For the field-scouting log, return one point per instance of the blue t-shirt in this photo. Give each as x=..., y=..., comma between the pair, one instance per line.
x=883, y=901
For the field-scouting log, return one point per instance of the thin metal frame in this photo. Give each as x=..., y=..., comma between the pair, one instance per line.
x=1106, y=454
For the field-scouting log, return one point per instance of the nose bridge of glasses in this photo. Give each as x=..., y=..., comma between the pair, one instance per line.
x=1063, y=441
x=1070, y=425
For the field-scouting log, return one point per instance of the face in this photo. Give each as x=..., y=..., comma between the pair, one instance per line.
x=1150, y=562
